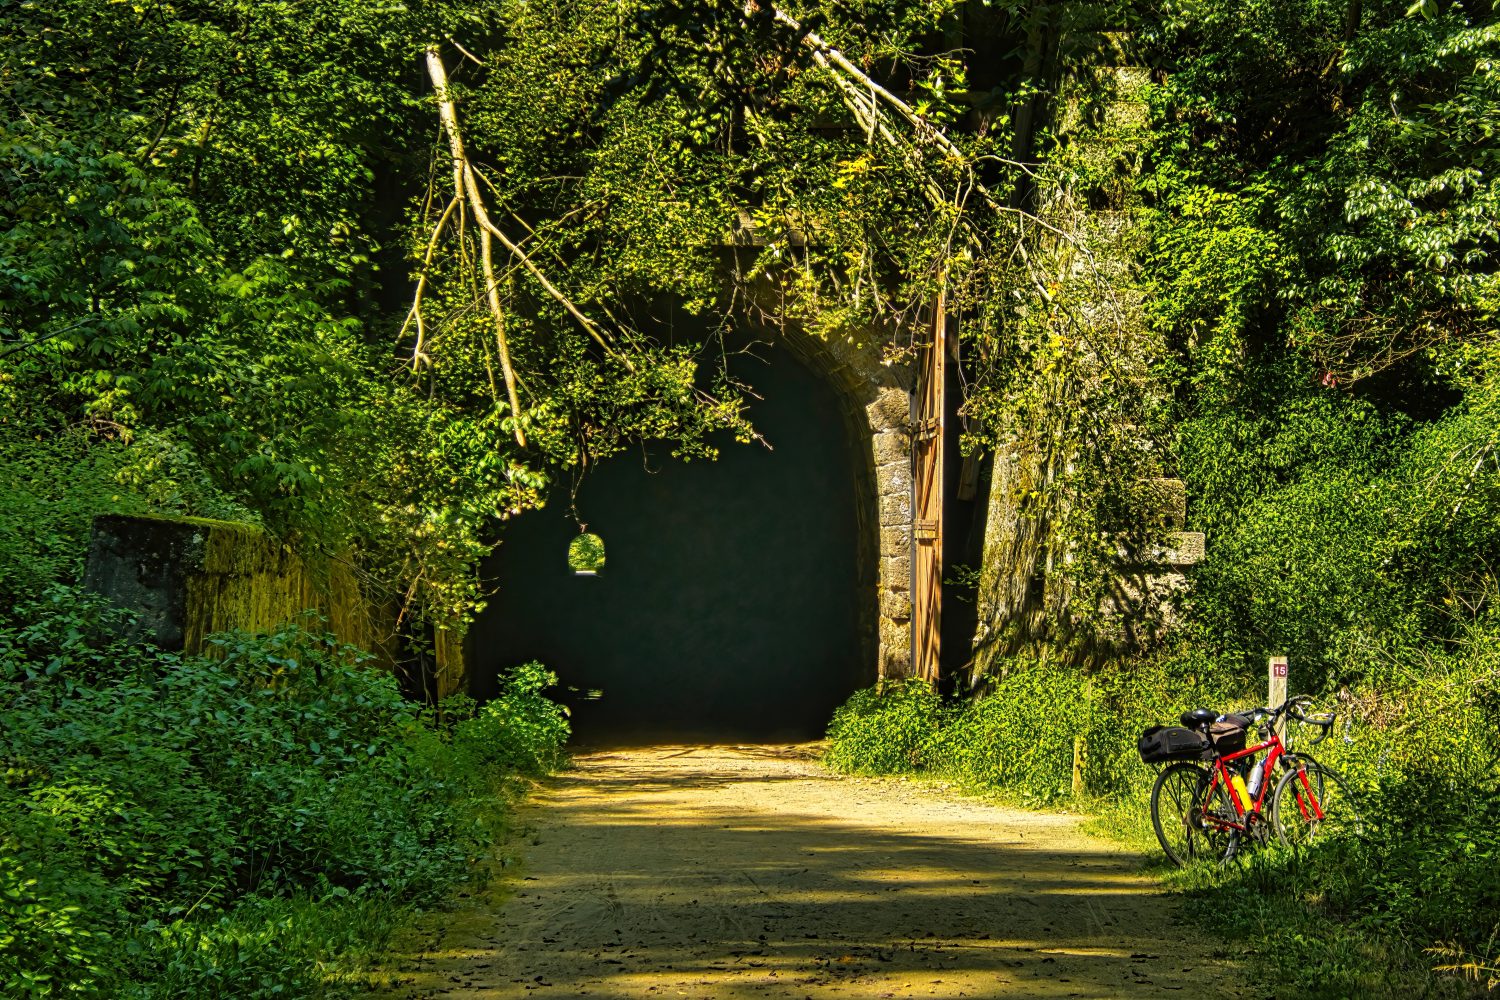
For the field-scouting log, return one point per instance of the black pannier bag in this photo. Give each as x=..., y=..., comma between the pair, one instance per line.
x=1229, y=733
x=1160, y=744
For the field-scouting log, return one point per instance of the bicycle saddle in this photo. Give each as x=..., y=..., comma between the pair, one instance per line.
x=1198, y=718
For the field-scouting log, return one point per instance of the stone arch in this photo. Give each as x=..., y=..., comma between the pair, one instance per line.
x=740, y=596
x=877, y=411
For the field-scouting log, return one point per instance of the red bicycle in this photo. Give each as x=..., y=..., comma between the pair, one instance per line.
x=1210, y=800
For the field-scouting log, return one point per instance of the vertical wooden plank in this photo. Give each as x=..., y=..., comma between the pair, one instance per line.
x=1276, y=671
x=1078, y=757
x=927, y=498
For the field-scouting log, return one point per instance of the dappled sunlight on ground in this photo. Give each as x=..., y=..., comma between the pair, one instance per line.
x=723, y=873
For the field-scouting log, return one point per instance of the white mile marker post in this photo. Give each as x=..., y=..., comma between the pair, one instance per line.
x=1277, y=670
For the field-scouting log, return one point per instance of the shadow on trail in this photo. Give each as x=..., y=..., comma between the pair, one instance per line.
x=709, y=882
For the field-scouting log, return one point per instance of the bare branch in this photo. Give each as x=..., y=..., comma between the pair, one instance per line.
x=414, y=315
x=853, y=83
x=492, y=293
x=466, y=186
x=467, y=54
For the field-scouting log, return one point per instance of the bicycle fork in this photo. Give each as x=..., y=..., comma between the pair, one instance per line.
x=1307, y=797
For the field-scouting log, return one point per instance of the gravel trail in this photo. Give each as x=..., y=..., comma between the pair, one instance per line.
x=731, y=873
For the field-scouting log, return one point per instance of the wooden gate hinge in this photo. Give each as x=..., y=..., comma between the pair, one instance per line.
x=924, y=529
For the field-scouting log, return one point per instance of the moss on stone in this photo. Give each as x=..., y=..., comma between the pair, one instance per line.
x=190, y=577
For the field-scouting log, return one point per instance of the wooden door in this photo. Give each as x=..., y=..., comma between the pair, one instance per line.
x=927, y=497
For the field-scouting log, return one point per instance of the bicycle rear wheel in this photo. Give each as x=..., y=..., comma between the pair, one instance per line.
x=1313, y=802
x=1176, y=812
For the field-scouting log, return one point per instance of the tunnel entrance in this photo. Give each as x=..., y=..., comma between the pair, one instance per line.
x=731, y=603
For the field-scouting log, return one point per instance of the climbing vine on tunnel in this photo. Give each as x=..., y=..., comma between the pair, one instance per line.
x=217, y=213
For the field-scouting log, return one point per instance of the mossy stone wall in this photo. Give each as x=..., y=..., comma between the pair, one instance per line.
x=1023, y=601
x=187, y=578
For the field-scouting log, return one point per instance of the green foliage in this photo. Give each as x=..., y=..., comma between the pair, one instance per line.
x=1019, y=736
x=235, y=825
x=520, y=729
x=1423, y=749
x=188, y=252
x=1322, y=265
x=1372, y=915
x=885, y=729
x=1340, y=532
x=633, y=146
x=198, y=207
x=205, y=211
x=1223, y=266
x=586, y=554
x=1365, y=916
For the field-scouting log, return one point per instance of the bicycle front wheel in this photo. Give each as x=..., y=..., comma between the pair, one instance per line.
x=1176, y=812
x=1313, y=802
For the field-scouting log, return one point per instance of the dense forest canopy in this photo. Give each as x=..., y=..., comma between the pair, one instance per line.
x=1324, y=211
x=217, y=212
x=239, y=278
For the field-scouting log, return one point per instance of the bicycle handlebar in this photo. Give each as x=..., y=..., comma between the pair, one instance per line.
x=1293, y=708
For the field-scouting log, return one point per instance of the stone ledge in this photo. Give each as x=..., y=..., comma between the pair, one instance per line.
x=1184, y=548
x=1177, y=548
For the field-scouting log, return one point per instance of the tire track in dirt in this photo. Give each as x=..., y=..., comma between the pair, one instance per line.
x=724, y=873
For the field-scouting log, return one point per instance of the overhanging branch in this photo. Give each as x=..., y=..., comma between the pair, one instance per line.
x=467, y=195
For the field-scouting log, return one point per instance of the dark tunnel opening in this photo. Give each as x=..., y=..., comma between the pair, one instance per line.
x=730, y=605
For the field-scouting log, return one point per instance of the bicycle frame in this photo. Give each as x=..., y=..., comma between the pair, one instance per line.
x=1276, y=754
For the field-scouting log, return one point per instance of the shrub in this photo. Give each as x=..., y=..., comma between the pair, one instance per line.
x=1020, y=736
x=222, y=826
x=885, y=729
x=520, y=729
x=1364, y=916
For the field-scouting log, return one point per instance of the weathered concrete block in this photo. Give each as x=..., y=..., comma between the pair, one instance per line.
x=187, y=578
x=895, y=508
x=895, y=662
x=892, y=446
x=142, y=564
x=891, y=408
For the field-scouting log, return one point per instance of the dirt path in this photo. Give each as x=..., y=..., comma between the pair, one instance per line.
x=725, y=873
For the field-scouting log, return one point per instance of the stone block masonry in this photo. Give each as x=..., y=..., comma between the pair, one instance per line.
x=878, y=404
x=1024, y=599
x=889, y=417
